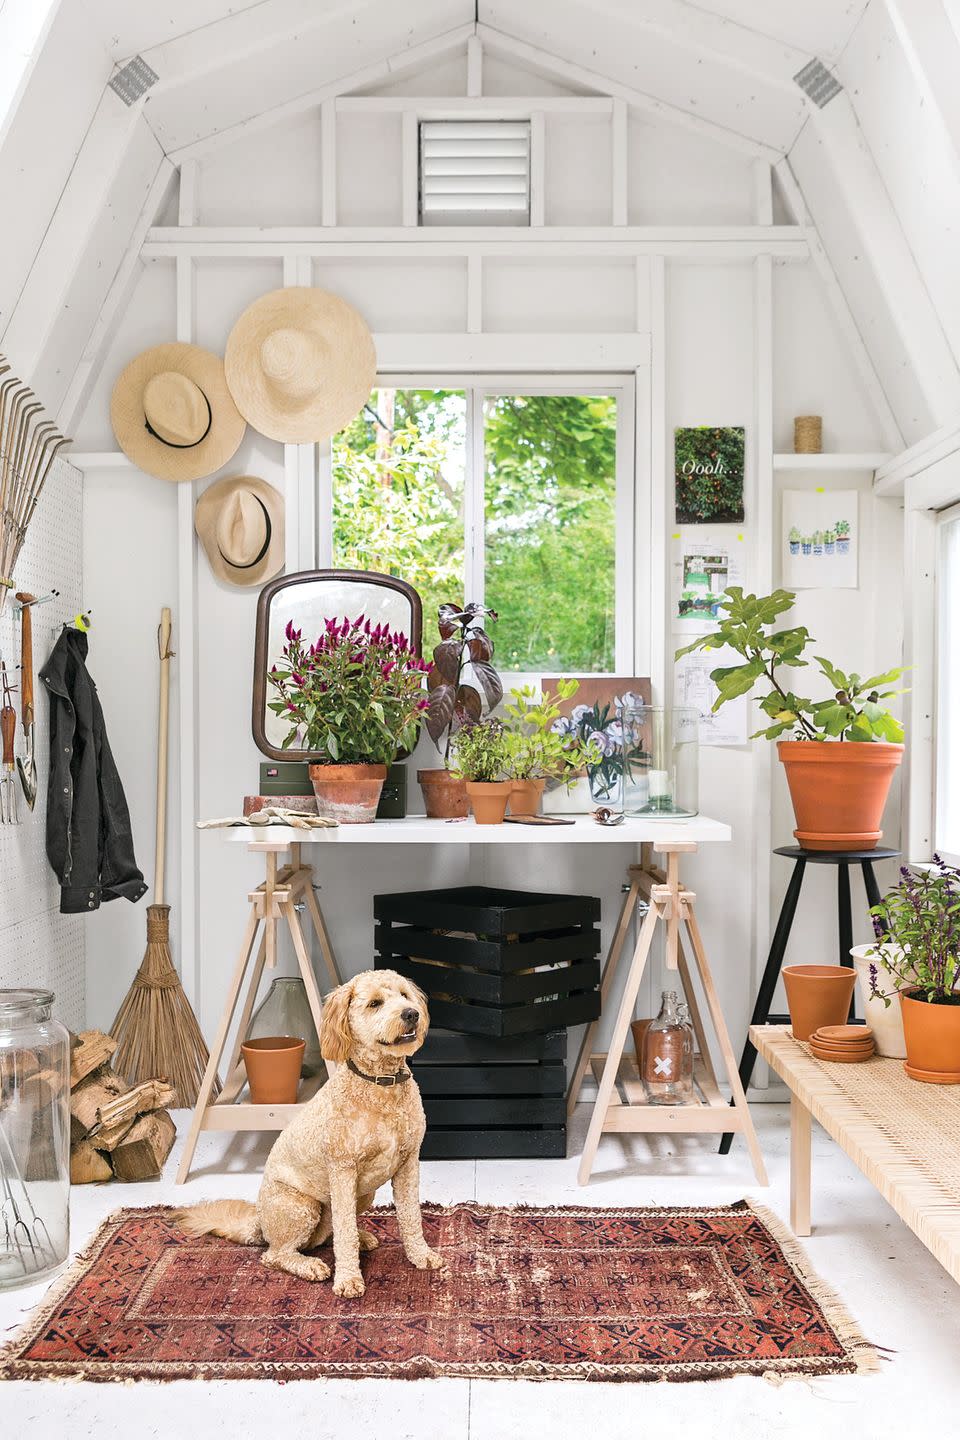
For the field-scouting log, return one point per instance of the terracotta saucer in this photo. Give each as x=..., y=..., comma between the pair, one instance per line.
x=933, y=1077
x=844, y=1033
x=833, y=1059
x=837, y=1045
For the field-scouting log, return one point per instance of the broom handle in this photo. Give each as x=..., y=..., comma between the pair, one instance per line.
x=163, y=731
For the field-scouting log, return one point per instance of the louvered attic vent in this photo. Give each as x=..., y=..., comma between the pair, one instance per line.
x=475, y=172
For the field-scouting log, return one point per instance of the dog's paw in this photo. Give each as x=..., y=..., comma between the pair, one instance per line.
x=349, y=1285
x=367, y=1241
x=315, y=1269
x=427, y=1260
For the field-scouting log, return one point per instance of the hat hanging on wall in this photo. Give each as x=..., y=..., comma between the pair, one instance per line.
x=240, y=524
x=173, y=415
x=300, y=364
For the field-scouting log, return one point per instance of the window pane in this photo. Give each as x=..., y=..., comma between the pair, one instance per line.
x=550, y=494
x=398, y=474
x=948, y=683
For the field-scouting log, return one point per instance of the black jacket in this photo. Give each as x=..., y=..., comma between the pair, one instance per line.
x=89, y=841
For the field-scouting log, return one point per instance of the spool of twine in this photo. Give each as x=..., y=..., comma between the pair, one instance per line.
x=808, y=435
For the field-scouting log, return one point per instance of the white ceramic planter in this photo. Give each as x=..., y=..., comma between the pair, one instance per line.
x=885, y=1021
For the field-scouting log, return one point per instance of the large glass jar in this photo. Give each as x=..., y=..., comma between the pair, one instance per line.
x=668, y=1054
x=34, y=1138
x=285, y=1010
x=659, y=756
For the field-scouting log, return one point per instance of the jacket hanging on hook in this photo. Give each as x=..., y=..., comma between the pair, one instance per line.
x=89, y=840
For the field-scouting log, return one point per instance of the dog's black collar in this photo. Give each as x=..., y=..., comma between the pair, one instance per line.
x=388, y=1080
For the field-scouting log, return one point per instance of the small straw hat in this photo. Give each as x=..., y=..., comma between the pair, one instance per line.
x=240, y=524
x=300, y=364
x=173, y=415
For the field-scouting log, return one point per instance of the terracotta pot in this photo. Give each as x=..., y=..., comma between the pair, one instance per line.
x=488, y=800
x=838, y=789
x=526, y=796
x=885, y=1021
x=932, y=1033
x=444, y=795
x=817, y=995
x=273, y=1068
x=639, y=1028
x=349, y=794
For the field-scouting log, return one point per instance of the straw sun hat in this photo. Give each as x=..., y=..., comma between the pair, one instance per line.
x=173, y=415
x=300, y=363
x=240, y=524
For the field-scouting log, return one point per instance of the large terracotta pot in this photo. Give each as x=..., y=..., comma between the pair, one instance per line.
x=838, y=789
x=884, y=1020
x=348, y=794
x=526, y=796
x=273, y=1066
x=488, y=800
x=932, y=1033
x=817, y=995
x=444, y=795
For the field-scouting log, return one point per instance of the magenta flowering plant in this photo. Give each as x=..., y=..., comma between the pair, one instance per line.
x=354, y=696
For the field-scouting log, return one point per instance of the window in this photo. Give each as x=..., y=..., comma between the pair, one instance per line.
x=516, y=496
x=948, y=687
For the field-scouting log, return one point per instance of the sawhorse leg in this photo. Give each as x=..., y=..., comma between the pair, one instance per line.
x=627, y=912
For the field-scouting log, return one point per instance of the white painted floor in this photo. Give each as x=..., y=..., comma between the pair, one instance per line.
x=901, y=1297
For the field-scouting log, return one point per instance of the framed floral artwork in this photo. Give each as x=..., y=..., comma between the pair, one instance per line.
x=593, y=713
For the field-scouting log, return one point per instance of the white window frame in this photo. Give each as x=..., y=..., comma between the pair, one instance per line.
x=945, y=517
x=477, y=386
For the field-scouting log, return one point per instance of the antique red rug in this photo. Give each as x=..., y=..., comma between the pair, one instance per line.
x=555, y=1293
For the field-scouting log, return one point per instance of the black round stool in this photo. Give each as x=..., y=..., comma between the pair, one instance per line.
x=843, y=859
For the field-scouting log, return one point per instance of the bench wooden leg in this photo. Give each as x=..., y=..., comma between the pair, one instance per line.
x=799, y=1167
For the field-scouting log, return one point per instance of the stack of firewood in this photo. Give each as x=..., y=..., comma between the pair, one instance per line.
x=115, y=1129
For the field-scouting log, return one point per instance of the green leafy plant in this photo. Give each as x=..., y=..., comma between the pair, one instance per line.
x=481, y=751
x=852, y=712
x=352, y=697
x=917, y=926
x=535, y=749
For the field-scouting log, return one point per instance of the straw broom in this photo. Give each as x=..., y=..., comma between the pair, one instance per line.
x=156, y=1030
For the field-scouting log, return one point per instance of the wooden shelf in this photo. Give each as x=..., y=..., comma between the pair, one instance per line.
x=229, y=1112
x=835, y=464
x=708, y=1113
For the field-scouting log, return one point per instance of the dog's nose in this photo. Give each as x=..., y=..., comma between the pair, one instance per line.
x=410, y=1017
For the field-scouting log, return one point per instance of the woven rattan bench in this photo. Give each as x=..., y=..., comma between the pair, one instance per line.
x=903, y=1135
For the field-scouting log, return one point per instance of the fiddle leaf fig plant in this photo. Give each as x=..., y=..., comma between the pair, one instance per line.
x=463, y=656
x=748, y=625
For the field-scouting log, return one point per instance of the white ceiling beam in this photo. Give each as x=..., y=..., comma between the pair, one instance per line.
x=932, y=48
x=256, y=108
x=817, y=27
x=573, y=74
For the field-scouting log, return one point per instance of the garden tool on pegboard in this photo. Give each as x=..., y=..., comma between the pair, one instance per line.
x=9, y=805
x=27, y=764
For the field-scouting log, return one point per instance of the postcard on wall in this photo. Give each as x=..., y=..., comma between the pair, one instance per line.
x=820, y=540
x=692, y=686
x=701, y=571
x=708, y=468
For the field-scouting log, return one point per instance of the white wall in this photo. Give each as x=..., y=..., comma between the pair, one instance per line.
x=674, y=177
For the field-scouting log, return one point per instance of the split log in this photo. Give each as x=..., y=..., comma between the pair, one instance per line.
x=16, y=1066
x=86, y=1101
x=142, y=1153
x=93, y=1049
x=87, y=1165
x=115, y=1117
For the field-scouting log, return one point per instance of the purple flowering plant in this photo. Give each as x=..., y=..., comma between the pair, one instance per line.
x=354, y=696
x=917, y=927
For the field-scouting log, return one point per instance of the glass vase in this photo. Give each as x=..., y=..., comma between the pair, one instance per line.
x=659, y=759
x=285, y=1010
x=34, y=1138
x=667, y=1070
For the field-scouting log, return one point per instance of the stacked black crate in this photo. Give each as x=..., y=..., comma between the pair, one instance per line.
x=506, y=972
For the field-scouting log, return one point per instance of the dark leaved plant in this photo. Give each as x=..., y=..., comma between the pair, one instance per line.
x=462, y=678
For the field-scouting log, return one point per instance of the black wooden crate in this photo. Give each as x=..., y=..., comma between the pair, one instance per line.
x=493, y=1098
x=517, y=963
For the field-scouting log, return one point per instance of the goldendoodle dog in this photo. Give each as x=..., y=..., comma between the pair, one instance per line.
x=363, y=1128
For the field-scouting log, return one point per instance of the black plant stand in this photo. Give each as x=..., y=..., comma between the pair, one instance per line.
x=843, y=859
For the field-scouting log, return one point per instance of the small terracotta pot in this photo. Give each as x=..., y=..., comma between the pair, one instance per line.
x=639, y=1028
x=839, y=789
x=932, y=1033
x=488, y=800
x=348, y=794
x=444, y=795
x=525, y=796
x=273, y=1068
x=817, y=995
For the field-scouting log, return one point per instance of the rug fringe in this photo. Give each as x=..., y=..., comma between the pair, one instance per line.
x=834, y=1310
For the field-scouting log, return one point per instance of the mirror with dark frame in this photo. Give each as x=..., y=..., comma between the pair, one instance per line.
x=309, y=599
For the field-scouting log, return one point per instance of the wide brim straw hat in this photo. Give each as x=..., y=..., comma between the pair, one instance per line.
x=240, y=524
x=300, y=364
x=173, y=414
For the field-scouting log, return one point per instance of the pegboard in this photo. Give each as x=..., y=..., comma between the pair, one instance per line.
x=38, y=945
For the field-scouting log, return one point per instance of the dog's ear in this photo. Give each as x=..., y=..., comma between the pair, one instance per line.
x=421, y=1000
x=336, y=1038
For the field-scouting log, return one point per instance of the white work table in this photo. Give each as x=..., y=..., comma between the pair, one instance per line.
x=418, y=830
